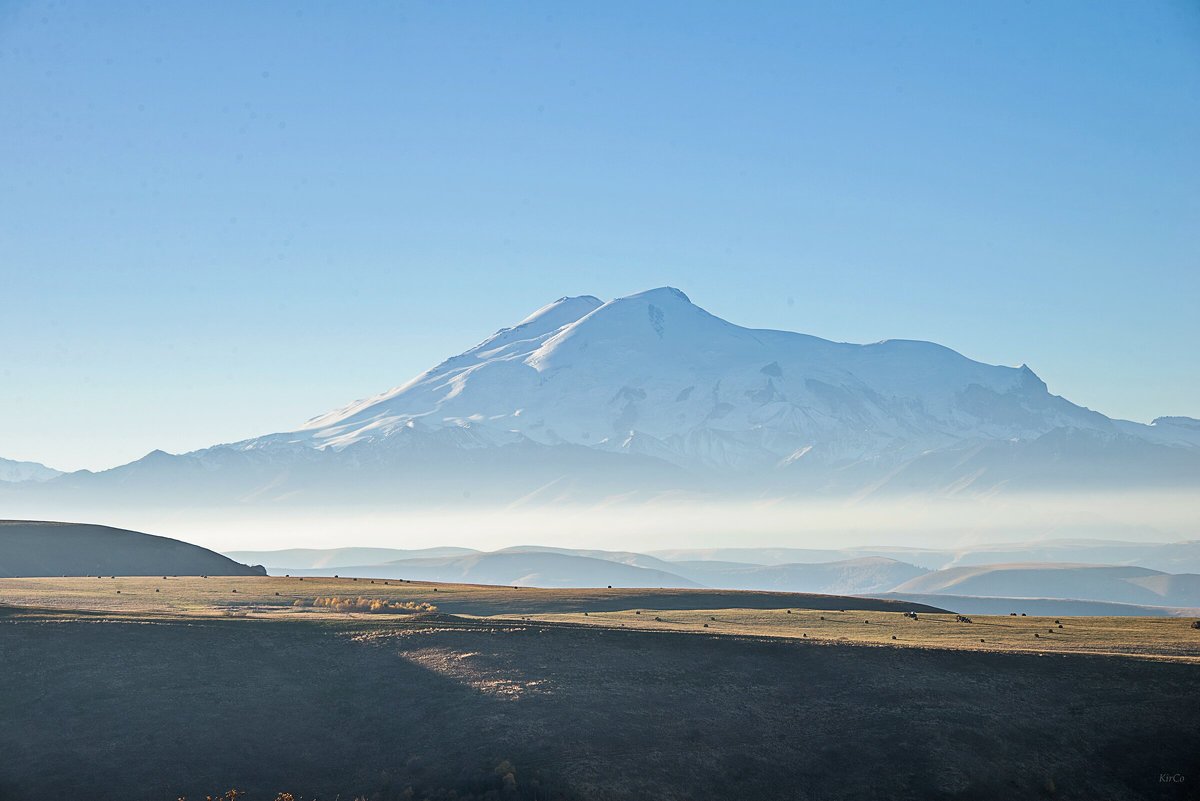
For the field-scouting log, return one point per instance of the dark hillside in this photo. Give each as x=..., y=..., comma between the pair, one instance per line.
x=38, y=548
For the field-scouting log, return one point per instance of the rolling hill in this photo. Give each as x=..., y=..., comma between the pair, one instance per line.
x=853, y=576
x=520, y=568
x=310, y=558
x=543, y=566
x=1131, y=585
x=1169, y=557
x=36, y=548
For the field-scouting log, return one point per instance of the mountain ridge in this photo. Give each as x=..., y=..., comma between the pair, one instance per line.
x=12, y=471
x=650, y=394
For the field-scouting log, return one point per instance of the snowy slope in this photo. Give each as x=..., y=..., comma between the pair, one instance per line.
x=653, y=373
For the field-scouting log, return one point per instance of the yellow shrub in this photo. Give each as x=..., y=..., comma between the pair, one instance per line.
x=378, y=605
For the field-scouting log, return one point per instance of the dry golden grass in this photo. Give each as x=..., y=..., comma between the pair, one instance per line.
x=252, y=596
x=276, y=595
x=308, y=598
x=1158, y=637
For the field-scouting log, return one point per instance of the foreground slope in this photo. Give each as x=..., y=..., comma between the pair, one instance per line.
x=521, y=710
x=39, y=548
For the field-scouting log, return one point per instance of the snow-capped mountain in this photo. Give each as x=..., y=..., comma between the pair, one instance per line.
x=651, y=393
x=13, y=471
x=653, y=373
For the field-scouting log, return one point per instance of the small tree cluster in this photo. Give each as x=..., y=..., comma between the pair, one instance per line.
x=360, y=604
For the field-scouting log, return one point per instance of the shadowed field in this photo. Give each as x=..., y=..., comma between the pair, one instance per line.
x=191, y=696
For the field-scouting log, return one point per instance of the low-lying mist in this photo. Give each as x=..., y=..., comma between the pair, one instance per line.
x=915, y=521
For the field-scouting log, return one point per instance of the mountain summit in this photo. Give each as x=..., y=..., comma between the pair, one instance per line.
x=650, y=392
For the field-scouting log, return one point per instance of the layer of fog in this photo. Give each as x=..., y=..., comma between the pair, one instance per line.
x=910, y=522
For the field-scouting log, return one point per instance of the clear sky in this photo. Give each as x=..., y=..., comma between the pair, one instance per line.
x=217, y=220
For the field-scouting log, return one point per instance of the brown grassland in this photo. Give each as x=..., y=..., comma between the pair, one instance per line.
x=785, y=615
x=156, y=688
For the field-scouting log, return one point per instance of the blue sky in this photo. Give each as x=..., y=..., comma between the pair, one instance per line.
x=215, y=223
